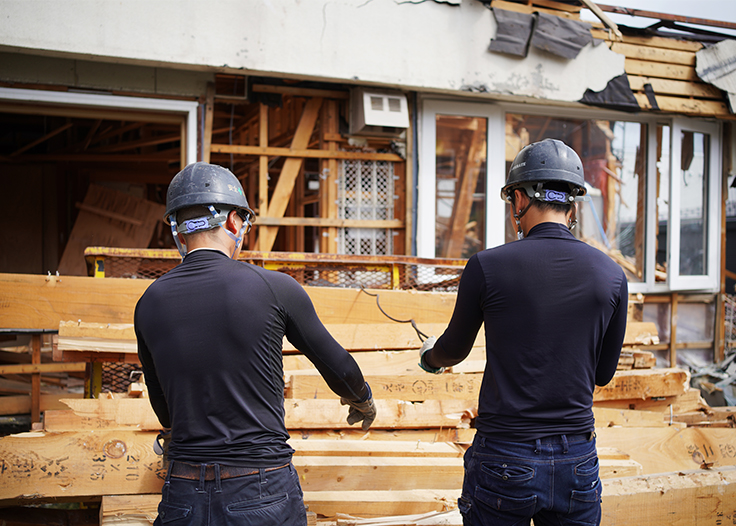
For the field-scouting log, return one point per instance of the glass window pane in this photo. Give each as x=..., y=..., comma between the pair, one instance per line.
x=663, y=200
x=461, y=181
x=694, y=203
x=614, y=160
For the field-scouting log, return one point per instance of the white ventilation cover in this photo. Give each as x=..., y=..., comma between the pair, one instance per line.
x=377, y=112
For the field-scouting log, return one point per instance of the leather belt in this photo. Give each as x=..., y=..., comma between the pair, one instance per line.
x=185, y=470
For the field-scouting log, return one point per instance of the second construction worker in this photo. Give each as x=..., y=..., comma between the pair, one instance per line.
x=554, y=311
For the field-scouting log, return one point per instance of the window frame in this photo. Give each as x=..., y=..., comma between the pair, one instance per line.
x=495, y=113
x=710, y=280
x=427, y=180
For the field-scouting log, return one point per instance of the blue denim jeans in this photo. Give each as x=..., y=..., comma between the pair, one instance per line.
x=265, y=498
x=553, y=480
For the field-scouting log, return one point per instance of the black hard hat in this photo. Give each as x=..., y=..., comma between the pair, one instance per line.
x=545, y=161
x=201, y=184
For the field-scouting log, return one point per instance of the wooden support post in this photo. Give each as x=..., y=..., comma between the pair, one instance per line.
x=36, y=378
x=263, y=163
x=93, y=382
x=719, y=347
x=328, y=178
x=673, y=330
x=209, y=112
x=183, y=144
x=289, y=172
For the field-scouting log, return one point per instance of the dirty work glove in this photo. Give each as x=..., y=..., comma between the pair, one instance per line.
x=365, y=411
x=161, y=445
x=426, y=346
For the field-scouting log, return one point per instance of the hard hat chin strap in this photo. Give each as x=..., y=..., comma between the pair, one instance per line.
x=206, y=223
x=538, y=193
x=517, y=217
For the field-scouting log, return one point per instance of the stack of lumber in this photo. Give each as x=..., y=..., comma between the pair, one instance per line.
x=408, y=468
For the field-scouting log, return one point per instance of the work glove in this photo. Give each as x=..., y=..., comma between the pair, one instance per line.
x=161, y=445
x=426, y=346
x=365, y=411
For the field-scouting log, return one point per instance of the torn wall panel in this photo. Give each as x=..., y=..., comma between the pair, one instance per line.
x=560, y=36
x=514, y=32
x=717, y=65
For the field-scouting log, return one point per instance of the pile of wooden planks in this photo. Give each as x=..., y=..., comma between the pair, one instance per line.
x=408, y=468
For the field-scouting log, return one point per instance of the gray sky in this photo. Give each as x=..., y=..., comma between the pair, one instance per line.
x=724, y=10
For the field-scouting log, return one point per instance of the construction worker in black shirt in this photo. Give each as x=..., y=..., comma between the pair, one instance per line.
x=210, y=334
x=554, y=311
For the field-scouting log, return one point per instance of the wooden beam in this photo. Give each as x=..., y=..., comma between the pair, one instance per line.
x=21, y=404
x=711, y=108
x=35, y=378
x=263, y=161
x=678, y=88
x=381, y=336
x=82, y=463
x=672, y=448
x=209, y=117
x=43, y=302
x=328, y=208
x=136, y=413
x=45, y=138
x=646, y=68
x=300, y=92
x=377, y=473
x=651, y=54
x=529, y=8
x=608, y=417
x=375, y=448
x=329, y=222
x=691, y=497
x=37, y=368
x=644, y=383
x=295, y=152
x=290, y=171
x=673, y=330
x=414, y=387
x=106, y=213
x=140, y=510
x=651, y=41
x=376, y=362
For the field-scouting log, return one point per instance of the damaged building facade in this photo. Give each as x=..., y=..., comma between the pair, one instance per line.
x=373, y=128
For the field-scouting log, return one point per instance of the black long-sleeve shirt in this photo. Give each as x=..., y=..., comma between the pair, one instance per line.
x=210, y=336
x=554, y=310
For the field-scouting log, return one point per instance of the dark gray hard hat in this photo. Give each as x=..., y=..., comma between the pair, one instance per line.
x=545, y=161
x=201, y=184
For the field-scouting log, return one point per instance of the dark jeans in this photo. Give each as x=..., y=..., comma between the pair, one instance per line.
x=264, y=498
x=553, y=480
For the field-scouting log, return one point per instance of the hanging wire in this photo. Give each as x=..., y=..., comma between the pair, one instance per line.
x=421, y=335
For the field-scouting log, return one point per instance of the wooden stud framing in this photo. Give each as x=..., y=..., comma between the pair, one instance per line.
x=263, y=162
x=289, y=172
x=673, y=330
x=209, y=114
x=36, y=378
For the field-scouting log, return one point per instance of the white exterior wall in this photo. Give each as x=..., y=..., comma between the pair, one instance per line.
x=427, y=46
